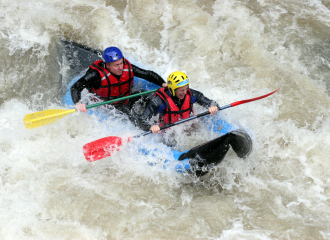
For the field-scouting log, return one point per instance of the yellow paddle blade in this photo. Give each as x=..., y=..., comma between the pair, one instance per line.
x=38, y=119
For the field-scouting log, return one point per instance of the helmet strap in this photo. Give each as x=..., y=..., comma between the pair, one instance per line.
x=171, y=91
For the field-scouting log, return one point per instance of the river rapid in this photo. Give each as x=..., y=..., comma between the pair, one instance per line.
x=231, y=50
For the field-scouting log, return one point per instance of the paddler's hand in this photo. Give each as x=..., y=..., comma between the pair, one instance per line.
x=155, y=129
x=80, y=107
x=164, y=85
x=213, y=110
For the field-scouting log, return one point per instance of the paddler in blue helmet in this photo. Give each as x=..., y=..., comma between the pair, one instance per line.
x=112, y=77
x=174, y=102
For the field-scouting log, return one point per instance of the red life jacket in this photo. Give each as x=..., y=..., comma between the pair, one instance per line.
x=111, y=88
x=173, y=113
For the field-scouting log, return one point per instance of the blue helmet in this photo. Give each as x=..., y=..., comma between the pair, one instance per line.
x=111, y=54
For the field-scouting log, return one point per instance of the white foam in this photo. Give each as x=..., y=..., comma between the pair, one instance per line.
x=239, y=51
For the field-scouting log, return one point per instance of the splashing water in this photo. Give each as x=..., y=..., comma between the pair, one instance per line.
x=231, y=50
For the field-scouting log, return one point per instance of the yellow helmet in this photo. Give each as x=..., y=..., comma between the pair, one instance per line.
x=176, y=80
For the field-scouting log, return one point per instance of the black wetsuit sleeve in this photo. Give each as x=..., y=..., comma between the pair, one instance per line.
x=90, y=80
x=202, y=100
x=150, y=76
x=150, y=111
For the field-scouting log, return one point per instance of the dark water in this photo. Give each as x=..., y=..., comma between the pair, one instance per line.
x=231, y=50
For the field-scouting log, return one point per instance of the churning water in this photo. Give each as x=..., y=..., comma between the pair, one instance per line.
x=231, y=50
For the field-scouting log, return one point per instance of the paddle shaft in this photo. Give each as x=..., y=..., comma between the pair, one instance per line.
x=120, y=99
x=104, y=147
x=41, y=118
x=207, y=112
x=182, y=121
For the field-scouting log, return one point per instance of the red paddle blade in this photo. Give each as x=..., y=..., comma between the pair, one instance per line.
x=102, y=148
x=252, y=99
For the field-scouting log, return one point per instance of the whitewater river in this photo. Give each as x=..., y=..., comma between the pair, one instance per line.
x=231, y=50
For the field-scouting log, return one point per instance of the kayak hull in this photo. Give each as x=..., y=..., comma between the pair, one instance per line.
x=204, y=157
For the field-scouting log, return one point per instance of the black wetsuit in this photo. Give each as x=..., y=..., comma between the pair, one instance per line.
x=92, y=79
x=157, y=105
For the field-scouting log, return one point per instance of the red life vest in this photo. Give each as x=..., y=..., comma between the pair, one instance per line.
x=173, y=113
x=111, y=88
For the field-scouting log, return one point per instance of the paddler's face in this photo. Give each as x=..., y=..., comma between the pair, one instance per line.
x=181, y=92
x=116, y=67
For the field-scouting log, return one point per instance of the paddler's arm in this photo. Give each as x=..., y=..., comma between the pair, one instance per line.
x=151, y=110
x=148, y=75
x=90, y=80
x=204, y=101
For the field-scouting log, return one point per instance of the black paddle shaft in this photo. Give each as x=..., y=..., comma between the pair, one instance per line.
x=182, y=121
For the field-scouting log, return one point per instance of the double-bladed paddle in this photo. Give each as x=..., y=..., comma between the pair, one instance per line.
x=105, y=147
x=41, y=118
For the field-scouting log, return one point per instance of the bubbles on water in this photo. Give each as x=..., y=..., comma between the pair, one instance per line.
x=231, y=50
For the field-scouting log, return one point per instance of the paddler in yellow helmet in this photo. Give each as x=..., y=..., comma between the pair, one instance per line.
x=174, y=102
